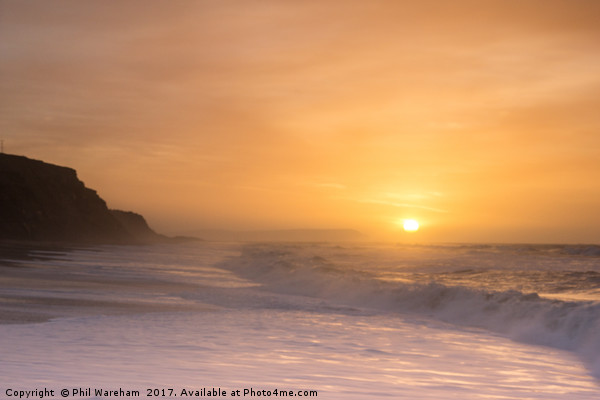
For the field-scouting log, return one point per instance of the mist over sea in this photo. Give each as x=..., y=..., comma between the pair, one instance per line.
x=325, y=320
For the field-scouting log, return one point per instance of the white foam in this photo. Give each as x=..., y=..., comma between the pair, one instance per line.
x=341, y=356
x=568, y=325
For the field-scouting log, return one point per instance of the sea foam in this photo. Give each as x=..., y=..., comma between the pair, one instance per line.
x=526, y=317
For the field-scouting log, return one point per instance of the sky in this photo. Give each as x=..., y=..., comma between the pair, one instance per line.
x=478, y=118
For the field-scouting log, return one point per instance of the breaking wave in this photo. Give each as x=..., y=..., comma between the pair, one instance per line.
x=527, y=317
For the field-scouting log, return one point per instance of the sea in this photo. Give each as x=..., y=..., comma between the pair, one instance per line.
x=318, y=320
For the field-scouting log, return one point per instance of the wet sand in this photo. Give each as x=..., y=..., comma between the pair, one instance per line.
x=32, y=291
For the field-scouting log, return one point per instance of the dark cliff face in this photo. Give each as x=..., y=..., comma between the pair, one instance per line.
x=40, y=201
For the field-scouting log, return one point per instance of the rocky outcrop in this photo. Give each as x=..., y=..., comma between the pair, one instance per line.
x=136, y=226
x=46, y=202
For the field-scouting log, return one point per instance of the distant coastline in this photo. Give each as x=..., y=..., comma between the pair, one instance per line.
x=282, y=235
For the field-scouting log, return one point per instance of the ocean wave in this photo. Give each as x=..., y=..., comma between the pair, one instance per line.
x=584, y=250
x=527, y=317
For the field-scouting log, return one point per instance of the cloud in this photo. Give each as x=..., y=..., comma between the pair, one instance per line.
x=402, y=205
x=331, y=185
x=467, y=98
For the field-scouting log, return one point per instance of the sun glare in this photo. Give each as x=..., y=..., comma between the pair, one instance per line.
x=410, y=225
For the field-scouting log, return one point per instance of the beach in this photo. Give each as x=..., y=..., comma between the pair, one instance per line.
x=36, y=291
x=209, y=316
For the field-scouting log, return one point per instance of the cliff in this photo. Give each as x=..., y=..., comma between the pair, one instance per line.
x=136, y=226
x=46, y=202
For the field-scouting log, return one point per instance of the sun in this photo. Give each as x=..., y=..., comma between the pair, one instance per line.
x=410, y=225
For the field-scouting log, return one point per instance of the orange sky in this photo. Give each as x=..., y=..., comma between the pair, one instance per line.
x=478, y=118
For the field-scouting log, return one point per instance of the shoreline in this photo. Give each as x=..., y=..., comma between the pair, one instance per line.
x=35, y=291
